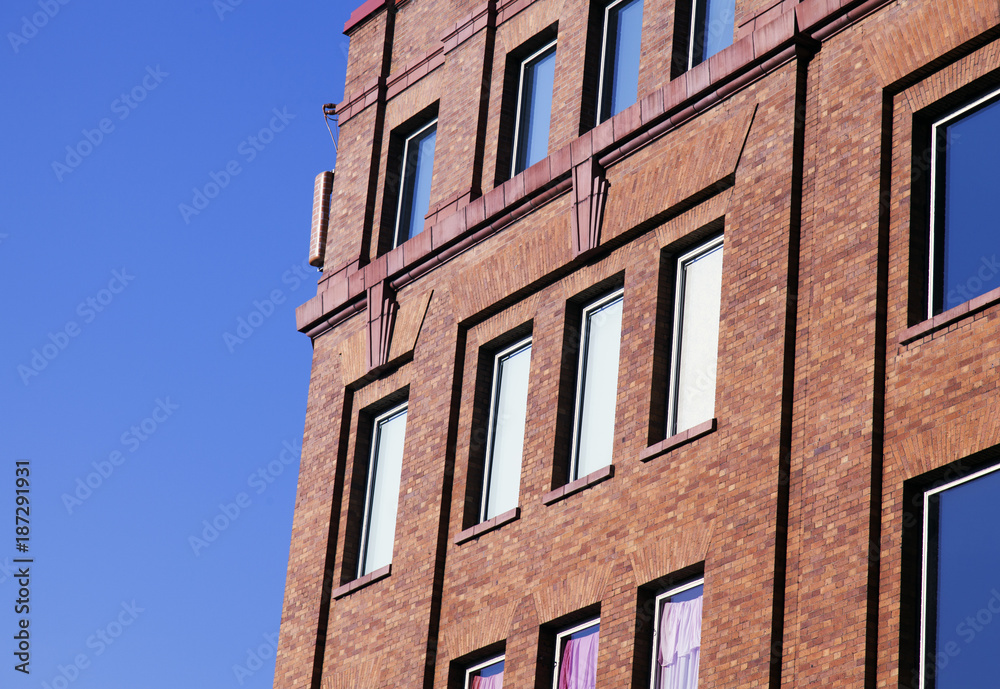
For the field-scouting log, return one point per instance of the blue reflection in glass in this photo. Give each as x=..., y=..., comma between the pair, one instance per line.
x=622, y=39
x=537, y=79
x=971, y=244
x=494, y=669
x=417, y=172
x=687, y=594
x=965, y=525
x=714, y=27
x=585, y=632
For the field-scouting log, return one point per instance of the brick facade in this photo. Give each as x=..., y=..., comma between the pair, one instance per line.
x=833, y=392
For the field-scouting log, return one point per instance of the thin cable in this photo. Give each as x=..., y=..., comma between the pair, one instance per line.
x=330, y=111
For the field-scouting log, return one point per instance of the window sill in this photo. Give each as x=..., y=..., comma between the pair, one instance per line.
x=946, y=318
x=361, y=582
x=682, y=438
x=582, y=483
x=488, y=525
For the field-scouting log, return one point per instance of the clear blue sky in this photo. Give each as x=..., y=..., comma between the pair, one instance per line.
x=114, y=361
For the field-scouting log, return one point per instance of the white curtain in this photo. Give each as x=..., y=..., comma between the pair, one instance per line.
x=679, y=645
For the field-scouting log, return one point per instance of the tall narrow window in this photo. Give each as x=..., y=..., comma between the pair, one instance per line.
x=415, y=175
x=534, y=108
x=619, y=86
x=597, y=385
x=382, y=494
x=677, y=637
x=713, y=25
x=960, y=593
x=488, y=675
x=576, y=656
x=964, y=241
x=505, y=443
x=696, y=337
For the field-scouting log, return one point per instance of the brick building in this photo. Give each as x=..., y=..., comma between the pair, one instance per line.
x=655, y=343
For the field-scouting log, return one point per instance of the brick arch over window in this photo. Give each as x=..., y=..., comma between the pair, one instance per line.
x=905, y=40
x=920, y=453
x=664, y=556
x=575, y=592
x=361, y=673
x=491, y=625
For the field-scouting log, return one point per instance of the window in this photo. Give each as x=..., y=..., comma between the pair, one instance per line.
x=619, y=86
x=415, y=174
x=597, y=385
x=959, y=584
x=534, y=108
x=694, y=358
x=382, y=492
x=488, y=675
x=576, y=656
x=964, y=242
x=677, y=637
x=704, y=27
x=505, y=441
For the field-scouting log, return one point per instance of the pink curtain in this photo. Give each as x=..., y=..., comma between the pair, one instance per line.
x=679, y=645
x=578, y=667
x=491, y=682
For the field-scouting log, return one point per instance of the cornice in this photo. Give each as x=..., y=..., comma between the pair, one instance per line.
x=794, y=33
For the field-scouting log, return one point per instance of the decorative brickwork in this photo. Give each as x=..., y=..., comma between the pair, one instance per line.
x=382, y=308
x=590, y=191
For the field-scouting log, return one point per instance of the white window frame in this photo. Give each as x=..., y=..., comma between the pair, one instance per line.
x=520, y=94
x=675, y=347
x=695, y=5
x=561, y=638
x=932, y=272
x=402, y=175
x=515, y=348
x=681, y=588
x=925, y=561
x=480, y=666
x=370, y=487
x=604, y=50
x=618, y=294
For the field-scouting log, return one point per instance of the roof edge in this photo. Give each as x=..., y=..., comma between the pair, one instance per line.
x=368, y=9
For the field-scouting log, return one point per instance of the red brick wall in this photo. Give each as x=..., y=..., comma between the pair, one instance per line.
x=830, y=394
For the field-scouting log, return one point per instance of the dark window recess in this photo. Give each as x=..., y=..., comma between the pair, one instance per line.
x=960, y=592
x=526, y=105
x=964, y=235
x=619, y=83
x=702, y=28
x=409, y=173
